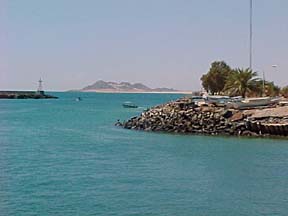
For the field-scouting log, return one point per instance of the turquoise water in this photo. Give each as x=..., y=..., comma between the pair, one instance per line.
x=62, y=157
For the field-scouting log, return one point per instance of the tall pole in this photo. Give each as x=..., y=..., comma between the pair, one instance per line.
x=275, y=69
x=263, y=83
x=251, y=34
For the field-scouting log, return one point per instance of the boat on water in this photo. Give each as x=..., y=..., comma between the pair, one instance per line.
x=253, y=102
x=78, y=99
x=129, y=104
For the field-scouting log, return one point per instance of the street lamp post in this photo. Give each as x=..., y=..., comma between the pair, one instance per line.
x=275, y=68
x=263, y=81
x=263, y=84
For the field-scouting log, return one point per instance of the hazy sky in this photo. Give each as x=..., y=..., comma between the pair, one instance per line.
x=161, y=43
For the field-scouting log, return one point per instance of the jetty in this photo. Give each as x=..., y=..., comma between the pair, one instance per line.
x=186, y=117
x=39, y=94
x=24, y=95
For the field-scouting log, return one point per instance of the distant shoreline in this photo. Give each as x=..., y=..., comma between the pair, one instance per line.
x=25, y=95
x=136, y=92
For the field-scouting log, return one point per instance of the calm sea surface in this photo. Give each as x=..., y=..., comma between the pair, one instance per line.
x=65, y=158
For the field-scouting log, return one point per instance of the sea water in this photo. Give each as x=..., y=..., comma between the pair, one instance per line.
x=65, y=157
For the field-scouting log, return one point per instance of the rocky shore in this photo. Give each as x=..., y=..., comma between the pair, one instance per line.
x=183, y=116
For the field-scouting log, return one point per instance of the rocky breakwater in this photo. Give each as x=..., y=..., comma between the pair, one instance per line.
x=183, y=116
x=25, y=95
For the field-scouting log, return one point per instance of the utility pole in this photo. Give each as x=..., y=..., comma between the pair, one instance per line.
x=251, y=34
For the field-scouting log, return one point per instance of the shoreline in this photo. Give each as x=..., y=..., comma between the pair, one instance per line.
x=184, y=117
x=136, y=92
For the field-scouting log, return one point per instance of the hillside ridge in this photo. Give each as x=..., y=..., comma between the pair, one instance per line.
x=101, y=85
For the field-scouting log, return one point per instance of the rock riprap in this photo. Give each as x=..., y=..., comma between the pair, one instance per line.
x=183, y=116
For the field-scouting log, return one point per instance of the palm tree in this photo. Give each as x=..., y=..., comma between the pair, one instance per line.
x=241, y=82
x=284, y=91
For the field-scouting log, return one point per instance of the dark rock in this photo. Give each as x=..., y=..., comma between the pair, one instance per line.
x=118, y=123
x=227, y=113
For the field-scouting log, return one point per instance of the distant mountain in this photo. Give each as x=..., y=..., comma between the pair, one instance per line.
x=102, y=86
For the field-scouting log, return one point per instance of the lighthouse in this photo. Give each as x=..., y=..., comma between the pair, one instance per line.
x=40, y=90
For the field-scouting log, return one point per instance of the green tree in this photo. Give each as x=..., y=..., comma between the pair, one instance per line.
x=284, y=91
x=241, y=82
x=257, y=90
x=271, y=89
x=214, y=81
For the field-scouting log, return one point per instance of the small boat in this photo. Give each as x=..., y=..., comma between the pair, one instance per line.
x=78, y=99
x=129, y=104
x=217, y=99
x=254, y=102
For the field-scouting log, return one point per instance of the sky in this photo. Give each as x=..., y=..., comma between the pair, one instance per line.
x=160, y=43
